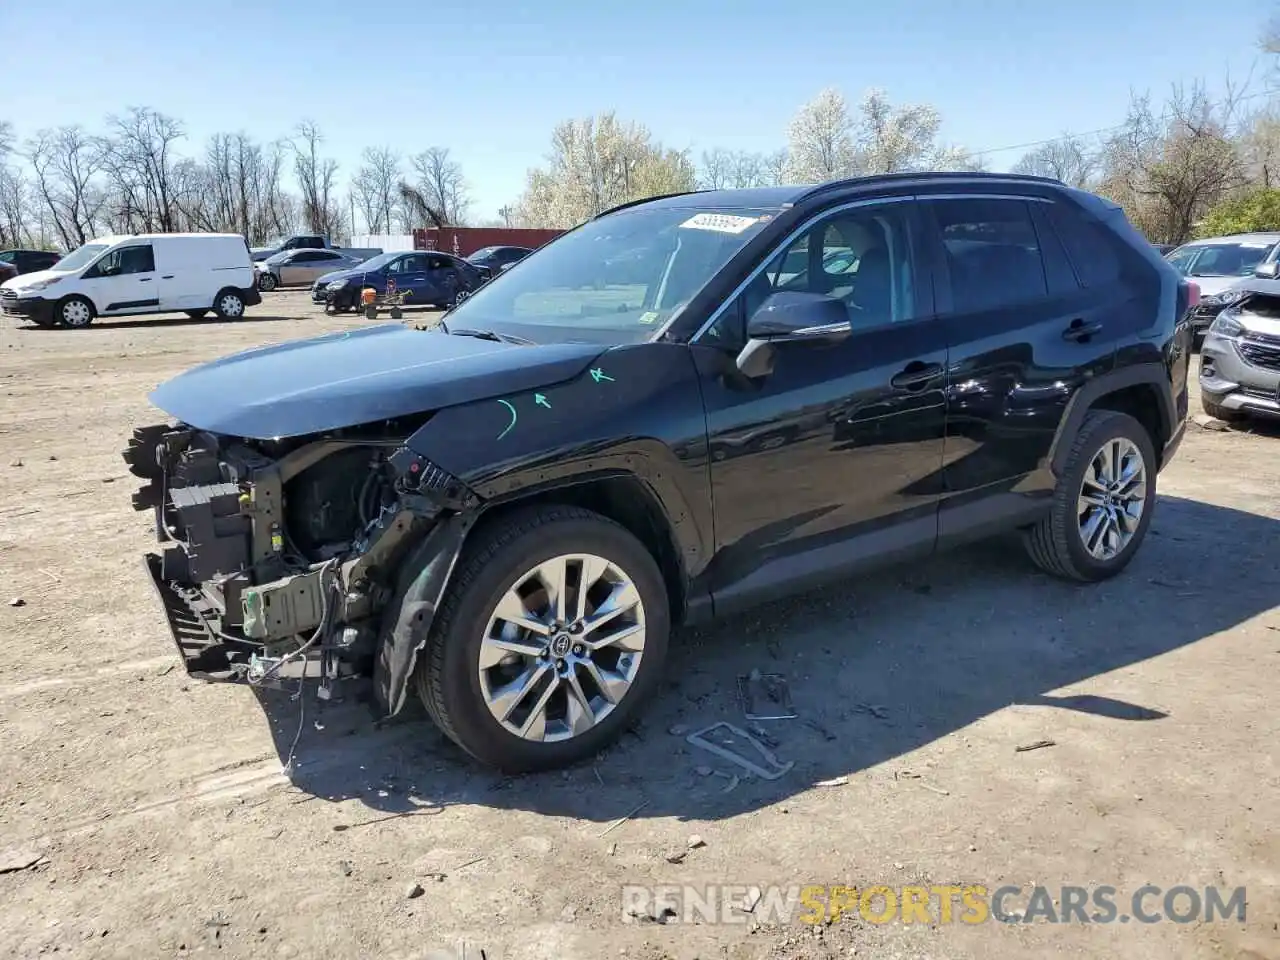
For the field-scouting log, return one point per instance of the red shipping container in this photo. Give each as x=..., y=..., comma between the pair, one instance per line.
x=464, y=241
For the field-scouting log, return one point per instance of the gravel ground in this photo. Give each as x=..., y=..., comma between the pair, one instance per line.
x=161, y=824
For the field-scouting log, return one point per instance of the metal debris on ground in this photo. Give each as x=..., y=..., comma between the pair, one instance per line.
x=1038, y=745
x=696, y=841
x=17, y=602
x=765, y=696
x=728, y=735
x=413, y=891
x=833, y=782
x=621, y=820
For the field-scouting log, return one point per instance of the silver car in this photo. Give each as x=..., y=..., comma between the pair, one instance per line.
x=296, y=268
x=1240, y=359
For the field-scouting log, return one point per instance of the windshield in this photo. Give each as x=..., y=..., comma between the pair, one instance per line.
x=616, y=279
x=482, y=253
x=80, y=257
x=1219, y=259
x=8, y=256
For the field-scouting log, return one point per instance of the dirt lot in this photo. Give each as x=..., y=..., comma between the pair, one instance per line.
x=165, y=826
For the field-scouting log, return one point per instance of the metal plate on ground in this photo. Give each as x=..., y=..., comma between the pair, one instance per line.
x=765, y=696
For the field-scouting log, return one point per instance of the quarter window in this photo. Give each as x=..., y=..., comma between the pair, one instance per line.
x=992, y=252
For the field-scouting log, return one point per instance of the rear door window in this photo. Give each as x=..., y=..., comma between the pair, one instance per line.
x=992, y=253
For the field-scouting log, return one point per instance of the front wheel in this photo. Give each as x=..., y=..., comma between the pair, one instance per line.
x=229, y=305
x=550, y=637
x=75, y=312
x=267, y=282
x=1103, y=503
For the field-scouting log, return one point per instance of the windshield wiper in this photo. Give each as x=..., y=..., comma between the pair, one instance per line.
x=487, y=335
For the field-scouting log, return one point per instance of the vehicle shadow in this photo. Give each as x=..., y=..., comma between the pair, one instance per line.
x=877, y=667
x=165, y=321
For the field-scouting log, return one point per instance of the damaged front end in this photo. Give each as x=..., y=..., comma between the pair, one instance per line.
x=322, y=557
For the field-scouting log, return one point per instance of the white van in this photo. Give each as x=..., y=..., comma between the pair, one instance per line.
x=191, y=273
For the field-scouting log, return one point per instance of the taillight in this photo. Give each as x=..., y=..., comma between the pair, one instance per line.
x=1193, y=294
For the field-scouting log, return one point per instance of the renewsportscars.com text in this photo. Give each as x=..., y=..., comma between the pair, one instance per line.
x=939, y=904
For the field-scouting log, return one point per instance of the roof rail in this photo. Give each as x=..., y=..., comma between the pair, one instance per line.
x=977, y=175
x=635, y=203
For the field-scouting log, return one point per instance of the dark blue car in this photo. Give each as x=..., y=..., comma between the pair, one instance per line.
x=431, y=279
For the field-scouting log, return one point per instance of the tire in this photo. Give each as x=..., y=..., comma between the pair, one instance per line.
x=1057, y=543
x=229, y=305
x=499, y=557
x=1219, y=412
x=75, y=312
x=195, y=314
x=267, y=282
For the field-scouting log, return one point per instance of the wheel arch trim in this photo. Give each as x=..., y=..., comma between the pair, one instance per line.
x=1153, y=375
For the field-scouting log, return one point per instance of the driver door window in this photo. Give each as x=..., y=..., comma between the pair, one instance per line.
x=861, y=257
x=124, y=261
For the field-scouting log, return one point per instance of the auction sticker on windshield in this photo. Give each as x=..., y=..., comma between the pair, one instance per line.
x=719, y=222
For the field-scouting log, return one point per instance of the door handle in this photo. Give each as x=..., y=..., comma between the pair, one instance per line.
x=1081, y=330
x=167, y=276
x=144, y=279
x=915, y=375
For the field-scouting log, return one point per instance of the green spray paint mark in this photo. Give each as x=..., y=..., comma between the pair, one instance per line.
x=541, y=401
x=512, y=411
x=597, y=375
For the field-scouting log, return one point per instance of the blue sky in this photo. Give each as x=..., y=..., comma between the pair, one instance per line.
x=490, y=83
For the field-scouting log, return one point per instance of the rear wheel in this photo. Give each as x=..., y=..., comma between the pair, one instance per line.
x=229, y=305
x=550, y=637
x=267, y=281
x=75, y=312
x=1102, y=506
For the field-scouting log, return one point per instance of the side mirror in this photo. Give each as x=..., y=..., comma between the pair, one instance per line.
x=791, y=317
x=1267, y=271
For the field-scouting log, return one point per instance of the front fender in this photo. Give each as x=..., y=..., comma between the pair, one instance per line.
x=636, y=411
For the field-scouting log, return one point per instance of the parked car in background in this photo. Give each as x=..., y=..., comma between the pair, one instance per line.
x=508, y=513
x=14, y=263
x=294, y=268
x=491, y=261
x=1240, y=356
x=309, y=241
x=429, y=277
x=124, y=275
x=1220, y=266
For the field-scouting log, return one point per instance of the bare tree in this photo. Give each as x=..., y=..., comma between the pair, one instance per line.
x=420, y=206
x=65, y=163
x=773, y=168
x=439, y=177
x=317, y=178
x=1167, y=170
x=716, y=171
x=375, y=187
x=139, y=156
x=1066, y=159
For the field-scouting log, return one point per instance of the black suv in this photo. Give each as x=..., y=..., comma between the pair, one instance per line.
x=510, y=512
x=15, y=262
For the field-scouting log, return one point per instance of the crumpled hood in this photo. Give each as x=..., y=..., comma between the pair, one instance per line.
x=360, y=376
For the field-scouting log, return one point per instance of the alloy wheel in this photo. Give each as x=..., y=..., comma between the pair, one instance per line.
x=1112, y=498
x=562, y=648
